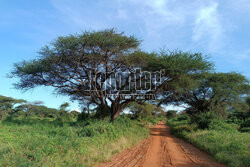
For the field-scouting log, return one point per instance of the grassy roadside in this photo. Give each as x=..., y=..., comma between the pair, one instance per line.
x=39, y=142
x=221, y=140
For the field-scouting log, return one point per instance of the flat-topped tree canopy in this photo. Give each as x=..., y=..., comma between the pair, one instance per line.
x=211, y=92
x=90, y=65
x=7, y=104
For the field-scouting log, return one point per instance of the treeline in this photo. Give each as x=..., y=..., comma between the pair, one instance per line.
x=18, y=108
x=21, y=108
x=213, y=94
x=237, y=115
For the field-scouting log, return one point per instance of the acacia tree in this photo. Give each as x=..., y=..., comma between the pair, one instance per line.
x=71, y=65
x=7, y=105
x=211, y=92
x=85, y=67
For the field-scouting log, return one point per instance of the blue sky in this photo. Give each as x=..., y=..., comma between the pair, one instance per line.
x=219, y=29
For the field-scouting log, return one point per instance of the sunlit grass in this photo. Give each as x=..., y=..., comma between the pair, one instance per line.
x=227, y=146
x=51, y=143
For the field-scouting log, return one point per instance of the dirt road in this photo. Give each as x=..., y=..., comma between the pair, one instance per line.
x=162, y=149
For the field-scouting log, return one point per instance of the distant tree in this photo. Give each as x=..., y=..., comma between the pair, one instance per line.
x=79, y=66
x=240, y=110
x=86, y=107
x=145, y=110
x=7, y=105
x=171, y=113
x=212, y=92
x=64, y=106
x=30, y=109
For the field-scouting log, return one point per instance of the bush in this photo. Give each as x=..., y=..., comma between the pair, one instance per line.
x=99, y=128
x=171, y=113
x=234, y=119
x=186, y=127
x=246, y=123
x=246, y=129
x=83, y=116
x=222, y=126
x=183, y=117
x=203, y=119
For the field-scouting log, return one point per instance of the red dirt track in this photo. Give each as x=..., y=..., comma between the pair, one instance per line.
x=162, y=149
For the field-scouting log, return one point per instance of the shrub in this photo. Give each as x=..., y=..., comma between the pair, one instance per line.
x=183, y=117
x=203, y=119
x=246, y=129
x=246, y=123
x=222, y=126
x=102, y=128
x=234, y=119
x=171, y=113
x=82, y=116
x=186, y=127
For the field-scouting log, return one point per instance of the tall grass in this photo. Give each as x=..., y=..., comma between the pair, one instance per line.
x=221, y=140
x=232, y=148
x=33, y=142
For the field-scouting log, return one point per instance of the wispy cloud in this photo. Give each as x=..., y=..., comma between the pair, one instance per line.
x=156, y=14
x=208, y=29
x=196, y=25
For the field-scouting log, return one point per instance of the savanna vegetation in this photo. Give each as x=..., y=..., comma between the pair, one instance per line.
x=225, y=138
x=98, y=69
x=34, y=135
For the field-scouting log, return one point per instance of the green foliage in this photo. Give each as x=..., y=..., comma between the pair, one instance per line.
x=183, y=117
x=245, y=129
x=83, y=116
x=246, y=123
x=71, y=64
x=185, y=127
x=204, y=119
x=171, y=113
x=15, y=108
x=32, y=141
x=248, y=101
x=142, y=111
x=208, y=91
x=222, y=126
x=221, y=139
x=229, y=147
x=7, y=104
x=64, y=106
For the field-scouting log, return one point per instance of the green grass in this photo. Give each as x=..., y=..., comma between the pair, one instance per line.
x=224, y=143
x=33, y=142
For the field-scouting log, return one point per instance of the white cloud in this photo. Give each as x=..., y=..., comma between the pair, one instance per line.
x=160, y=22
x=156, y=19
x=207, y=27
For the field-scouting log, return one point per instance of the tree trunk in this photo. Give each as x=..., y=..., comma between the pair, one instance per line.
x=115, y=110
x=88, y=112
x=105, y=110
